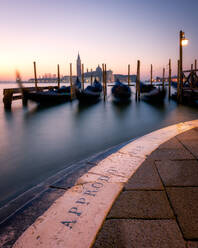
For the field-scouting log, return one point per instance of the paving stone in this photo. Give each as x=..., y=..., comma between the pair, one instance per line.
x=172, y=154
x=141, y=204
x=192, y=146
x=139, y=234
x=185, y=205
x=178, y=173
x=189, y=135
x=146, y=177
x=192, y=244
x=172, y=143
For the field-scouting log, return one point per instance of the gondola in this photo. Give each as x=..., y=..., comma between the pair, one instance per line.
x=121, y=92
x=51, y=97
x=91, y=94
x=151, y=93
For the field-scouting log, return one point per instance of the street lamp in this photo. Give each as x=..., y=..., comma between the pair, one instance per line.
x=182, y=42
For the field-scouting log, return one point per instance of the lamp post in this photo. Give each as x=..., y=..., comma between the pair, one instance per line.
x=182, y=42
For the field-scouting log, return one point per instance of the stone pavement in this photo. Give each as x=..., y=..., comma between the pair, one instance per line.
x=159, y=204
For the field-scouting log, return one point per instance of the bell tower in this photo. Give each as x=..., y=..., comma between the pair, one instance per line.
x=78, y=66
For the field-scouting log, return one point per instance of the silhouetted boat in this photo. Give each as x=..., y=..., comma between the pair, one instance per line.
x=51, y=97
x=91, y=94
x=151, y=93
x=121, y=92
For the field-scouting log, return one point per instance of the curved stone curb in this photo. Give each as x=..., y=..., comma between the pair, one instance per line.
x=76, y=217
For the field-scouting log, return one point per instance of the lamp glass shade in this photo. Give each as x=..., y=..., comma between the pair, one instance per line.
x=184, y=42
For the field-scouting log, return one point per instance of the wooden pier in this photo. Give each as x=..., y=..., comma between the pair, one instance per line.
x=13, y=94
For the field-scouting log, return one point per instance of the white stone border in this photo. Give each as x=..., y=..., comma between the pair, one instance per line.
x=74, y=219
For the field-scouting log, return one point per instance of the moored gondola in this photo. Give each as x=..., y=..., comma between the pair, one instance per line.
x=91, y=94
x=121, y=92
x=51, y=97
x=151, y=93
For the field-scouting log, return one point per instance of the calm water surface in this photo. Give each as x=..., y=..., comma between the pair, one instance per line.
x=36, y=142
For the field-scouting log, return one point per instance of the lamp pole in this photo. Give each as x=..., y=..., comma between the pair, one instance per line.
x=181, y=33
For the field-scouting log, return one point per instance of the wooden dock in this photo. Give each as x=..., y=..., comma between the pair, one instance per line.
x=13, y=94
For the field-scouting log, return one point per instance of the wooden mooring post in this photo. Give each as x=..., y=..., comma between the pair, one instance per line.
x=104, y=82
x=169, y=79
x=163, y=78
x=91, y=78
x=35, y=75
x=138, y=81
x=178, y=80
x=128, y=75
x=71, y=85
x=83, y=79
x=151, y=74
x=195, y=64
x=58, y=75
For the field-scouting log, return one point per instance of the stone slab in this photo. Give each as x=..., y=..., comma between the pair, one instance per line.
x=139, y=234
x=146, y=177
x=192, y=146
x=172, y=154
x=192, y=244
x=141, y=204
x=178, y=173
x=118, y=164
x=189, y=135
x=185, y=205
x=74, y=219
x=171, y=144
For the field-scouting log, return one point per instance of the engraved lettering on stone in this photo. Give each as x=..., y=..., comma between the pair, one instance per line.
x=90, y=192
x=69, y=223
x=74, y=211
x=82, y=201
x=104, y=178
x=97, y=185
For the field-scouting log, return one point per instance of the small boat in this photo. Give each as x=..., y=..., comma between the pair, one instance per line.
x=121, y=92
x=51, y=97
x=151, y=93
x=91, y=94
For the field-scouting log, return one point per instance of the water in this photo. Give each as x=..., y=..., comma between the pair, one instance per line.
x=35, y=142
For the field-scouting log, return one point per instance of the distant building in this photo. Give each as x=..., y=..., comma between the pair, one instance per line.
x=98, y=75
x=78, y=66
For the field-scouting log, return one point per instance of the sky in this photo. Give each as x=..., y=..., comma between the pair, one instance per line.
x=115, y=32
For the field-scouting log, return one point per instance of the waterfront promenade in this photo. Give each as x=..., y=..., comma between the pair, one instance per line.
x=144, y=195
x=158, y=207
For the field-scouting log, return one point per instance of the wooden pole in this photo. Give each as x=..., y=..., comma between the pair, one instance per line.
x=195, y=64
x=151, y=74
x=71, y=85
x=178, y=80
x=163, y=78
x=91, y=77
x=169, y=79
x=83, y=77
x=87, y=75
x=128, y=75
x=191, y=67
x=105, y=79
x=35, y=76
x=181, y=63
x=58, y=73
x=138, y=81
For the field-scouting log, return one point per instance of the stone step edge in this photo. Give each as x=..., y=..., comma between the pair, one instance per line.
x=75, y=218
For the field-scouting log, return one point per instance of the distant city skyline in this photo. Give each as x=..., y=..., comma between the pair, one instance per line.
x=114, y=32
